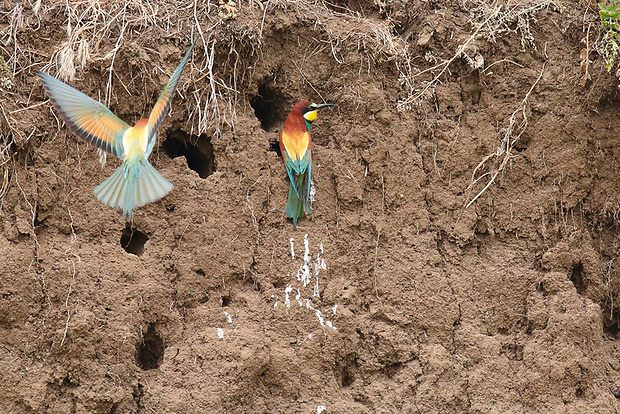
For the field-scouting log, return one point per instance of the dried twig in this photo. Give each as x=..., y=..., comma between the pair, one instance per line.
x=503, y=153
x=64, y=335
x=407, y=103
x=585, y=59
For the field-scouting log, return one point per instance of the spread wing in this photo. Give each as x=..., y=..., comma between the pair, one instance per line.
x=89, y=119
x=165, y=98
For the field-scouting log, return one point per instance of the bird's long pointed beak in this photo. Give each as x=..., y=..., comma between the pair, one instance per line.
x=319, y=106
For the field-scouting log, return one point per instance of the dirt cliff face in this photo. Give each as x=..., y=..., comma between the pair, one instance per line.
x=393, y=296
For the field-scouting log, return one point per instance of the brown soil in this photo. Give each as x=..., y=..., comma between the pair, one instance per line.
x=414, y=304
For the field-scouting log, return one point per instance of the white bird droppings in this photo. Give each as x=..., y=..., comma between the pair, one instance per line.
x=304, y=276
x=287, y=299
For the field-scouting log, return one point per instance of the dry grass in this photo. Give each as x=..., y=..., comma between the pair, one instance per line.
x=409, y=81
x=5, y=166
x=215, y=102
x=96, y=32
x=490, y=21
x=217, y=97
x=374, y=38
x=514, y=18
x=8, y=134
x=90, y=25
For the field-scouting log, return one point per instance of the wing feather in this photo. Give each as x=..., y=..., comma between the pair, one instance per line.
x=89, y=119
x=162, y=106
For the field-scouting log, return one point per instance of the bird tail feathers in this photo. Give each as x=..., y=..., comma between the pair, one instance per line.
x=297, y=207
x=131, y=186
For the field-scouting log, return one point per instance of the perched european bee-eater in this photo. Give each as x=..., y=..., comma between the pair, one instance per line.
x=135, y=183
x=296, y=148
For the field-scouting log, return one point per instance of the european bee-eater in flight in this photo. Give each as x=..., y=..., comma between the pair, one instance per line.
x=296, y=148
x=135, y=183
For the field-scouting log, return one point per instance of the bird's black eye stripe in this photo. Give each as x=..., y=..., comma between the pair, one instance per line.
x=309, y=108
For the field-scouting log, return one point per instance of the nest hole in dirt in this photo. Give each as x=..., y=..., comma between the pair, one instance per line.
x=133, y=240
x=270, y=105
x=577, y=278
x=197, y=150
x=150, y=352
x=346, y=370
x=275, y=147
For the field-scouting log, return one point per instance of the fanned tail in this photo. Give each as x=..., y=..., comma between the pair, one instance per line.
x=132, y=185
x=298, y=207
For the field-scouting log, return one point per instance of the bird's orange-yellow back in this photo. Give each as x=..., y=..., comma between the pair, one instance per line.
x=296, y=143
x=135, y=140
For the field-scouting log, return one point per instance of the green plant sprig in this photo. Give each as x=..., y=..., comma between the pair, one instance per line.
x=610, y=21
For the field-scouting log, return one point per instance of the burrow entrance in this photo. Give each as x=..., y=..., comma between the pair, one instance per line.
x=271, y=106
x=133, y=240
x=197, y=150
x=150, y=352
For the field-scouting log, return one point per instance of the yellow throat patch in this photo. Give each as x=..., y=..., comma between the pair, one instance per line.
x=310, y=116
